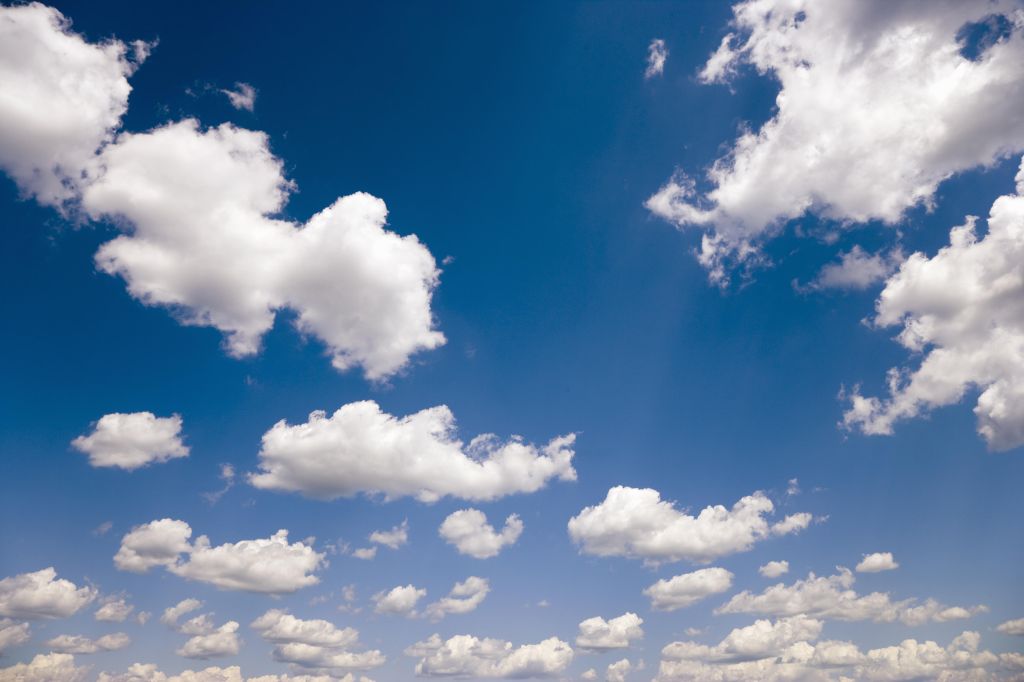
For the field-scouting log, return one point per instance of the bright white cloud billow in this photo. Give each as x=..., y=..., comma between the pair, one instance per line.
x=464, y=597
x=856, y=269
x=468, y=531
x=657, y=53
x=361, y=449
x=78, y=644
x=637, y=523
x=212, y=642
x=267, y=565
x=876, y=563
x=114, y=611
x=469, y=656
x=773, y=569
x=41, y=594
x=172, y=613
x=130, y=441
x=400, y=600
x=598, y=634
x=689, y=588
x=13, y=633
x=963, y=311
x=878, y=105
x=314, y=644
x=52, y=667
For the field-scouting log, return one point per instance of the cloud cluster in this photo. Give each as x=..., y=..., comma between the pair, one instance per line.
x=361, y=449
x=13, y=633
x=131, y=441
x=53, y=667
x=41, y=594
x=469, y=656
x=79, y=644
x=637, y=523
x=314, y=644
x=689, y=588
x=209, y=641
x=268, y=565
x=963, y=310
x=862, y=131
x=598, y=634
x=468, y=531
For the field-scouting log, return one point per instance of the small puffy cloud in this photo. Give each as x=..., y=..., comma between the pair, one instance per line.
x=688, y=589
x=12, y=634
x=77, y=644
x=469, y=656
x=399, y=600
x=360, y=449
x=1012, y=627
x=463, y=598
x=41, y=594
x=54, y=667
x=617, y=671
x=102, y=529
x=589, y=674
x=131, y=441
x=468, y=531
x=394, y=538
x=114, y=611
x=172, y=613
x=876, y=563
x=222, y=641
x=267, y=565
x=832, y=597
x=774, y=569
x=189, y=198
x=856, y=269
x=316, y=644
x=242, y=96
x=961, y=310
x=64, y=99
x=856, y=135
x=657, y=53
x=637, y=523
x=365, y=553
x=598, y=634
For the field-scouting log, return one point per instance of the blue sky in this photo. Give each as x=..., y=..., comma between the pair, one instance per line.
x=522, y=145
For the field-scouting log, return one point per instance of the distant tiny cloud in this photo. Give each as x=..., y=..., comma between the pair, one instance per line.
x=657, y=53
x=877, y=562
x=103, y=528
x=242, y=96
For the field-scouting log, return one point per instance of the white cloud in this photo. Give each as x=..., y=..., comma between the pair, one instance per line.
x=962, y=310
x=858, y=134
x=362, y=449
x=657, y=53
x=64, y=99
x=200, y=625
x=637, y=523
x=268, y=565
x=598, y=634
x=469, y=656
x=114, y=611
x=876, y=563
x=688, y=589
x=1012, y=627
x=761, y=640
x=856, y=269
x=12, y=634
x=220, y=642
x=148, y=672
x=130, y=441
x=589, y=674
x=618, y=670
x=41, y=594
x=191, y=198
x=463, y=598
x=173, y=613
x=394, y=538
x=773, y=569
x=348, y=677
x=365, y=553
x=242, y=96
x=316, y=644
x=832, y=597
x=78, y=644
x=53, y=667
x=399, y=600
x=468, y=531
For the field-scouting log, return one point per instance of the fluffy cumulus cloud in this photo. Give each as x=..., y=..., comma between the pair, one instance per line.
x=689, y=588
x=394, y=538
x=876, y=563
x=52, y=667
x=363, y=449
x=856, y=269
x=785, y=650
x=190, y=200
x=314, y=644
x=833, y=597
x=130, y=441
x=13, y=633
x=774, y=569
x=468, y=531
x=65, y=98
x=878, y=104
x=268, y=565
x=149, y=672
x=41, y=594
x=171, y=614
x=79, y=644
x=598, y=634
x=464, y=597
x=211, y=642
x=637, y=523
x=114, y=610
x=400, y=600
x=657, y=54
x=618, y=671
x=469, y=656
x=963, y=311
x=1012, y=627
x=195, y=197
